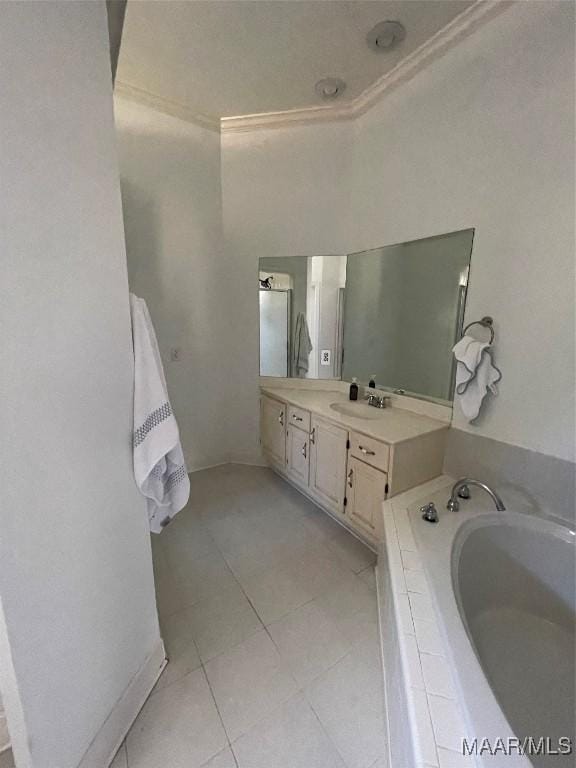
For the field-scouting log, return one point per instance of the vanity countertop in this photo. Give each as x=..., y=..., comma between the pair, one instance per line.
x=395, y=425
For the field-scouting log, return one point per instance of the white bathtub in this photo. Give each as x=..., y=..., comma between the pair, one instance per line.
x=501, y=589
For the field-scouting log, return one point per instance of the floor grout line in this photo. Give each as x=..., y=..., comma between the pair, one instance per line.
x=219, y=714
x=325, y=732
x=300, y=690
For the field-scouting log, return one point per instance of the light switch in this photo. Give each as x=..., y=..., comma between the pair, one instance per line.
x=326, y=357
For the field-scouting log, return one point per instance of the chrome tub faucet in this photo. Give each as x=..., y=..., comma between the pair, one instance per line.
x=461, y=490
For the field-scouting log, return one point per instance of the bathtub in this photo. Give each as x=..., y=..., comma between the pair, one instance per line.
x=501, y=589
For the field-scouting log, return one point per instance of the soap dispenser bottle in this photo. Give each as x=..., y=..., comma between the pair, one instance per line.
x=372, y=382
x=354, y=389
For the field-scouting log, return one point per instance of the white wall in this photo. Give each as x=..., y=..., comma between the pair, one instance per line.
x=483, y=138
x=285, y=193
x=331, y=277
x=170, y=175
x=76, y=586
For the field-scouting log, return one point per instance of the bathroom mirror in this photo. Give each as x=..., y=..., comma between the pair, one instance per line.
x=392, y=313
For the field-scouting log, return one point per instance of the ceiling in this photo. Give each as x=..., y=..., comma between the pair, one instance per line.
x=222, y=58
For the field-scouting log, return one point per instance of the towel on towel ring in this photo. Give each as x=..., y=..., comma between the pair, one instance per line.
x=476, y=375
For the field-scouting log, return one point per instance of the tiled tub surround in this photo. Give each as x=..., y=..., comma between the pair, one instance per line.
x=528, y=478
x=419, y=687
x=433, y=677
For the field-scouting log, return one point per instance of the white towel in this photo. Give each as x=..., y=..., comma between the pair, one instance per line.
x=475, y=374
x=302, y=346
x=159, y=466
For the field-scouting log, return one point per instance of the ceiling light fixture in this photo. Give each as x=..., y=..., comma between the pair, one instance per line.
x=385, y=35
x=330, y=88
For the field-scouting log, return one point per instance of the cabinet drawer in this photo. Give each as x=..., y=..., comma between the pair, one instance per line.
x=299, y=418
x=369, y=450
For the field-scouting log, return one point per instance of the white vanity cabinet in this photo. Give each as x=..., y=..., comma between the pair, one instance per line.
x=297, y=455
x=273, y=430
x=328, y=449
x=345, y=471
x=366, y=489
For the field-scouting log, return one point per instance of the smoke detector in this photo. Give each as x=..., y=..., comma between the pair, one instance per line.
x=330, y=88
x=385, y=35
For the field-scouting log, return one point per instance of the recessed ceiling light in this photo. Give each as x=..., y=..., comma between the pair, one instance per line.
x=385, y=35
x=330, y=88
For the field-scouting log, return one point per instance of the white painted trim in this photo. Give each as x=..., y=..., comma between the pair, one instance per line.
x=457, y=30
x=175, y=109
x=194, y=468
x=461, y=27
x=13, y=709
x=288, y=118
x=113, y=732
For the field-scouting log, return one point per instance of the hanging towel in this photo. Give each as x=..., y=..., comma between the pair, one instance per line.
x=159, y=466
x=475, y=374
x=302, y=346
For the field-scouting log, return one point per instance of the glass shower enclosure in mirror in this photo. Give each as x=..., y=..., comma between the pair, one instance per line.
x=391, y=313
x=301, y=316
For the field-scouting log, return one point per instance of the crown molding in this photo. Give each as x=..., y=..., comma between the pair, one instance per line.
x=288, y=118
x=462, y=26
x=160, y=104
x=457, y=30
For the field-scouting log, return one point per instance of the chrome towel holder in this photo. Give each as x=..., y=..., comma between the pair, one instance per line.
x=486, y=322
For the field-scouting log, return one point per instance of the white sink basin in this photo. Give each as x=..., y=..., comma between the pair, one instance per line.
x=358, y=410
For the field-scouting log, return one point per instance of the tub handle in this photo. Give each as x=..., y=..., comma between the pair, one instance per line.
x=429, y=512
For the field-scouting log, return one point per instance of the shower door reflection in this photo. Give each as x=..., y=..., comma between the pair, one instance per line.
x=274, y=333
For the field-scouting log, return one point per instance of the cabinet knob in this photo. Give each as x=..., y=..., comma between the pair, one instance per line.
x=304, y=453
x=281, y=419
x=367, y=451
x=350, y=477
x=313, y=436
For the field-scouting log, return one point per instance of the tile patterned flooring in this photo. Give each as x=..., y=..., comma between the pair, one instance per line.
x=268, y=613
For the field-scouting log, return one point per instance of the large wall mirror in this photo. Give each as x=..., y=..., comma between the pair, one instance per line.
x=392, y=313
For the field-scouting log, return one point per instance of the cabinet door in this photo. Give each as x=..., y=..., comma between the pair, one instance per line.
x=365, y=492
x=273, y=430
x=328, y=463
x=297, y=456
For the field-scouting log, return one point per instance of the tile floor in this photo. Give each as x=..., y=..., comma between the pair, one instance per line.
x=268, y=613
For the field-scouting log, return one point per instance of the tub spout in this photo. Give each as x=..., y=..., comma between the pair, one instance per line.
x=453, y=503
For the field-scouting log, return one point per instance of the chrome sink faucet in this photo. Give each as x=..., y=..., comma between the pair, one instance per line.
x=460, y=489
x=377, y=401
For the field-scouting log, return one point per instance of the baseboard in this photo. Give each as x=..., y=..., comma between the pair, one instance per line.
x=113, y=732
x=252, y=463
x=247, y=463
x=192, y=468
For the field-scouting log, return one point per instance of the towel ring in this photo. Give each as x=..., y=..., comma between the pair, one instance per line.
x=486, y=322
